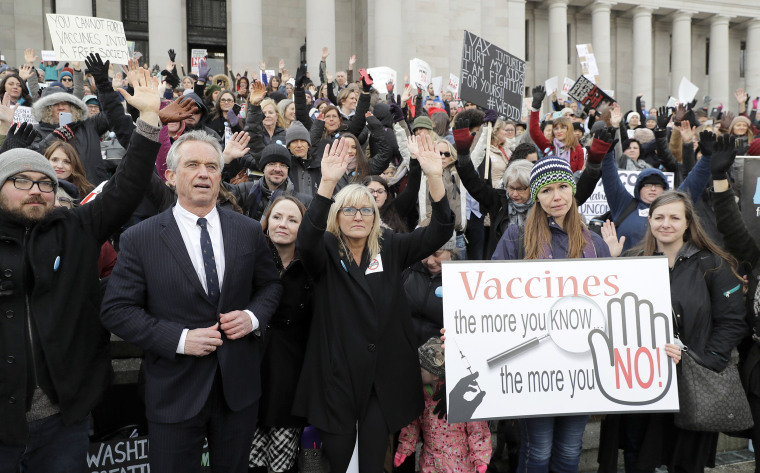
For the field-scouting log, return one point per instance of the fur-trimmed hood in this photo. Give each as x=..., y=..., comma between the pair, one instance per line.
x=51, y=99
x=223, y=78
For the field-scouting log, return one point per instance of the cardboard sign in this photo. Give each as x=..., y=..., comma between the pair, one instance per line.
x=48, y=55
x=381, y=76
x=589, y=68
x=453, y=86
x=491, y=77
x=567, y=84
x=551, y=85
x=588, y=94
x=196, y=55
x=128, y=455
x=23, y=115
x=74, y=37
x=420, y=73
x=557, y=337
x=596, y=205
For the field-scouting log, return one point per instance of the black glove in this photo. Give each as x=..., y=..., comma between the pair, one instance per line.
x=539, y=94
x=723, y=156
x=693, y=103
x=365, y=86
x=98, y=69
x=300, y=76
x=171, y=79
x=601, y=145
x=440, y=407
x=172, y=55
x=460, y=123
x=663, y=117
x=490, y=116
x=20, y=135
x=397, y=112
x=706, y=142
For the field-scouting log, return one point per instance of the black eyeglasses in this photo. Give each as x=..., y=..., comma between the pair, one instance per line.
x=24, y=184
x=446, y=154
x=351, y=211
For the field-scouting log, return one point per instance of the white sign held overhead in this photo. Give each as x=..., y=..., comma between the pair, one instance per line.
x=48, y=55
x=687, y=91
x=420, y=73
x=437, y=84
x=381, y=76
x=551, y=85
x=196, y=55
x=74, y=37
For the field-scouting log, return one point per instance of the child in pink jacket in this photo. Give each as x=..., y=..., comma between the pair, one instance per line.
x=450, y=448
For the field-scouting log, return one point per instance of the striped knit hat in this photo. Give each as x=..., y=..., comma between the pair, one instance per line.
x=547, y=171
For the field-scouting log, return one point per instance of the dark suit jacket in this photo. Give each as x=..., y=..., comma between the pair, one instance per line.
x=154, y=293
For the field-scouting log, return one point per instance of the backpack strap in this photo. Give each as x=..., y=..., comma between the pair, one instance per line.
x=632, y=205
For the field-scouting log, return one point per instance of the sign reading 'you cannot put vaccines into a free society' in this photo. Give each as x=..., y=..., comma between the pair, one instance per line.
x=557, y=337
x=74, y=37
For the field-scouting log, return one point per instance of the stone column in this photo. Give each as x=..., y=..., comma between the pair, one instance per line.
x=516, y=27
x=681, y=50
x=752, y=58
x=166, y=31
x=558, y=39
x=74, y=7
x=601, y=41
x=642, y=54
x=719, y=82
x=245, y=44
x=320, y=31
x=388, y=40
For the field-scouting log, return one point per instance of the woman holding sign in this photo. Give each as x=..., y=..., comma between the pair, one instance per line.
x=361, y=361
x=563, y=144
x=553, y=230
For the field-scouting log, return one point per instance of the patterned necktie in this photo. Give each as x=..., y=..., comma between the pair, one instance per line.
x=209, y=263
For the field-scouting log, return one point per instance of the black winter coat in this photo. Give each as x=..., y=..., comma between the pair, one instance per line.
x=361, y=338
x=424, y=296
x=64, y=301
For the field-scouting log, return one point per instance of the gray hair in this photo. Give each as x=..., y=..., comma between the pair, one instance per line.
x=518, y=171
x=172, y=158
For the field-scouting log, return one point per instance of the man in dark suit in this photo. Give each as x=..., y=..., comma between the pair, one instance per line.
x=194, y=286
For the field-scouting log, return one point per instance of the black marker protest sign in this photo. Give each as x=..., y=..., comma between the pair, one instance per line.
x=588, y=94
x=74, y=37
x=491, y=77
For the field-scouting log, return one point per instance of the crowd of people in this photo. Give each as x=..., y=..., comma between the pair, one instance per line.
x=275, y=246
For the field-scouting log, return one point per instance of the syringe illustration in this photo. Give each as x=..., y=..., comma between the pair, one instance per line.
x=465, y=361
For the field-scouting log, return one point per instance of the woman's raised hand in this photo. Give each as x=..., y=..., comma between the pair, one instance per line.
x=429, y=157
x=334, y=161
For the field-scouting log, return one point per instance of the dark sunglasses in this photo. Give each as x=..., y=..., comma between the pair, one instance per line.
x=446, y=154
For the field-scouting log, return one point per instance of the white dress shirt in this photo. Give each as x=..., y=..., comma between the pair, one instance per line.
x=191, y=236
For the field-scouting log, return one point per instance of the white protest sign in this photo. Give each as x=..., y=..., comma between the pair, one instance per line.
x=596, y=205
x=437, y=84
x=557, y=337
x=23, y=115
x=74, y=37
x=270, y=73
x=686, y=91
x=551, y=85
x=453, y=85
x=526, y=107
x=196, y=55
x=567, y=84
x=420, y=73
x=48, y=55
x=381, y=76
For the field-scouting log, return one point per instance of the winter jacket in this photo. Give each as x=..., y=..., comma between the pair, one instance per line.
x=577, y=154
x=507, y=248
x=70, y=346
x=424, y=296
x=446, y=448
x=365, y=342
x=634, y=226
x=255, y=198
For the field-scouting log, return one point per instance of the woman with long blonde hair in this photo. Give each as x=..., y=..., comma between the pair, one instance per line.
x=361, y=365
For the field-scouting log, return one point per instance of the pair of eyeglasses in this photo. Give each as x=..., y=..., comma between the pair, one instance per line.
x=226, y=100
x=509, y=130
x=67, y=202
x=516, y=189
x=653, y=186
x=351, y=211
x=446, y=154
x=24, y=184
x=377, y=191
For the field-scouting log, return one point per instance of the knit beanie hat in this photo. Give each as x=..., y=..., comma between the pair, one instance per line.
x=66, y=73
x=738, y=119
x=643, y=135
x=754, y=148
x=20, y=160
x=274, y=153
x=549, y=170
x=431, y=357
x=422, y=122
x=630, y=114
x=320, y=102
x=211, y=89
x=297, y=131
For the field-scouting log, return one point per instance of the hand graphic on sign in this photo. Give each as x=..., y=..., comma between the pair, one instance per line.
x=630, y=362
x=462, y=409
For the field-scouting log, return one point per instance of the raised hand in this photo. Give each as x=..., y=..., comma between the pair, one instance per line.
x=172, y=55
x=680, y=114
x=25, y=72
x=723, y=156
x=300, y=76
x=285, y=76
x=20, y=135
x=178, y=110
x=282, y=65
x=706, y=142
x=236, y=147
x=406, y=95
x=146, y=98
x=429, y=157
x=663, y=117
x=97, y=68
x=367, y=83
x=539, y=93
x=335, y=161
x=616, y=115
x=6, y=112
x=634, y=328
x=29, y=56
x=741, y=96
x=351, y=61
x=262, y=65
x=329, y=77
x=203, y=70
x=257, y=93
x=325, y=52
x=725, y=121
x=411, y=145
x=609, y=235
x=687, y=131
